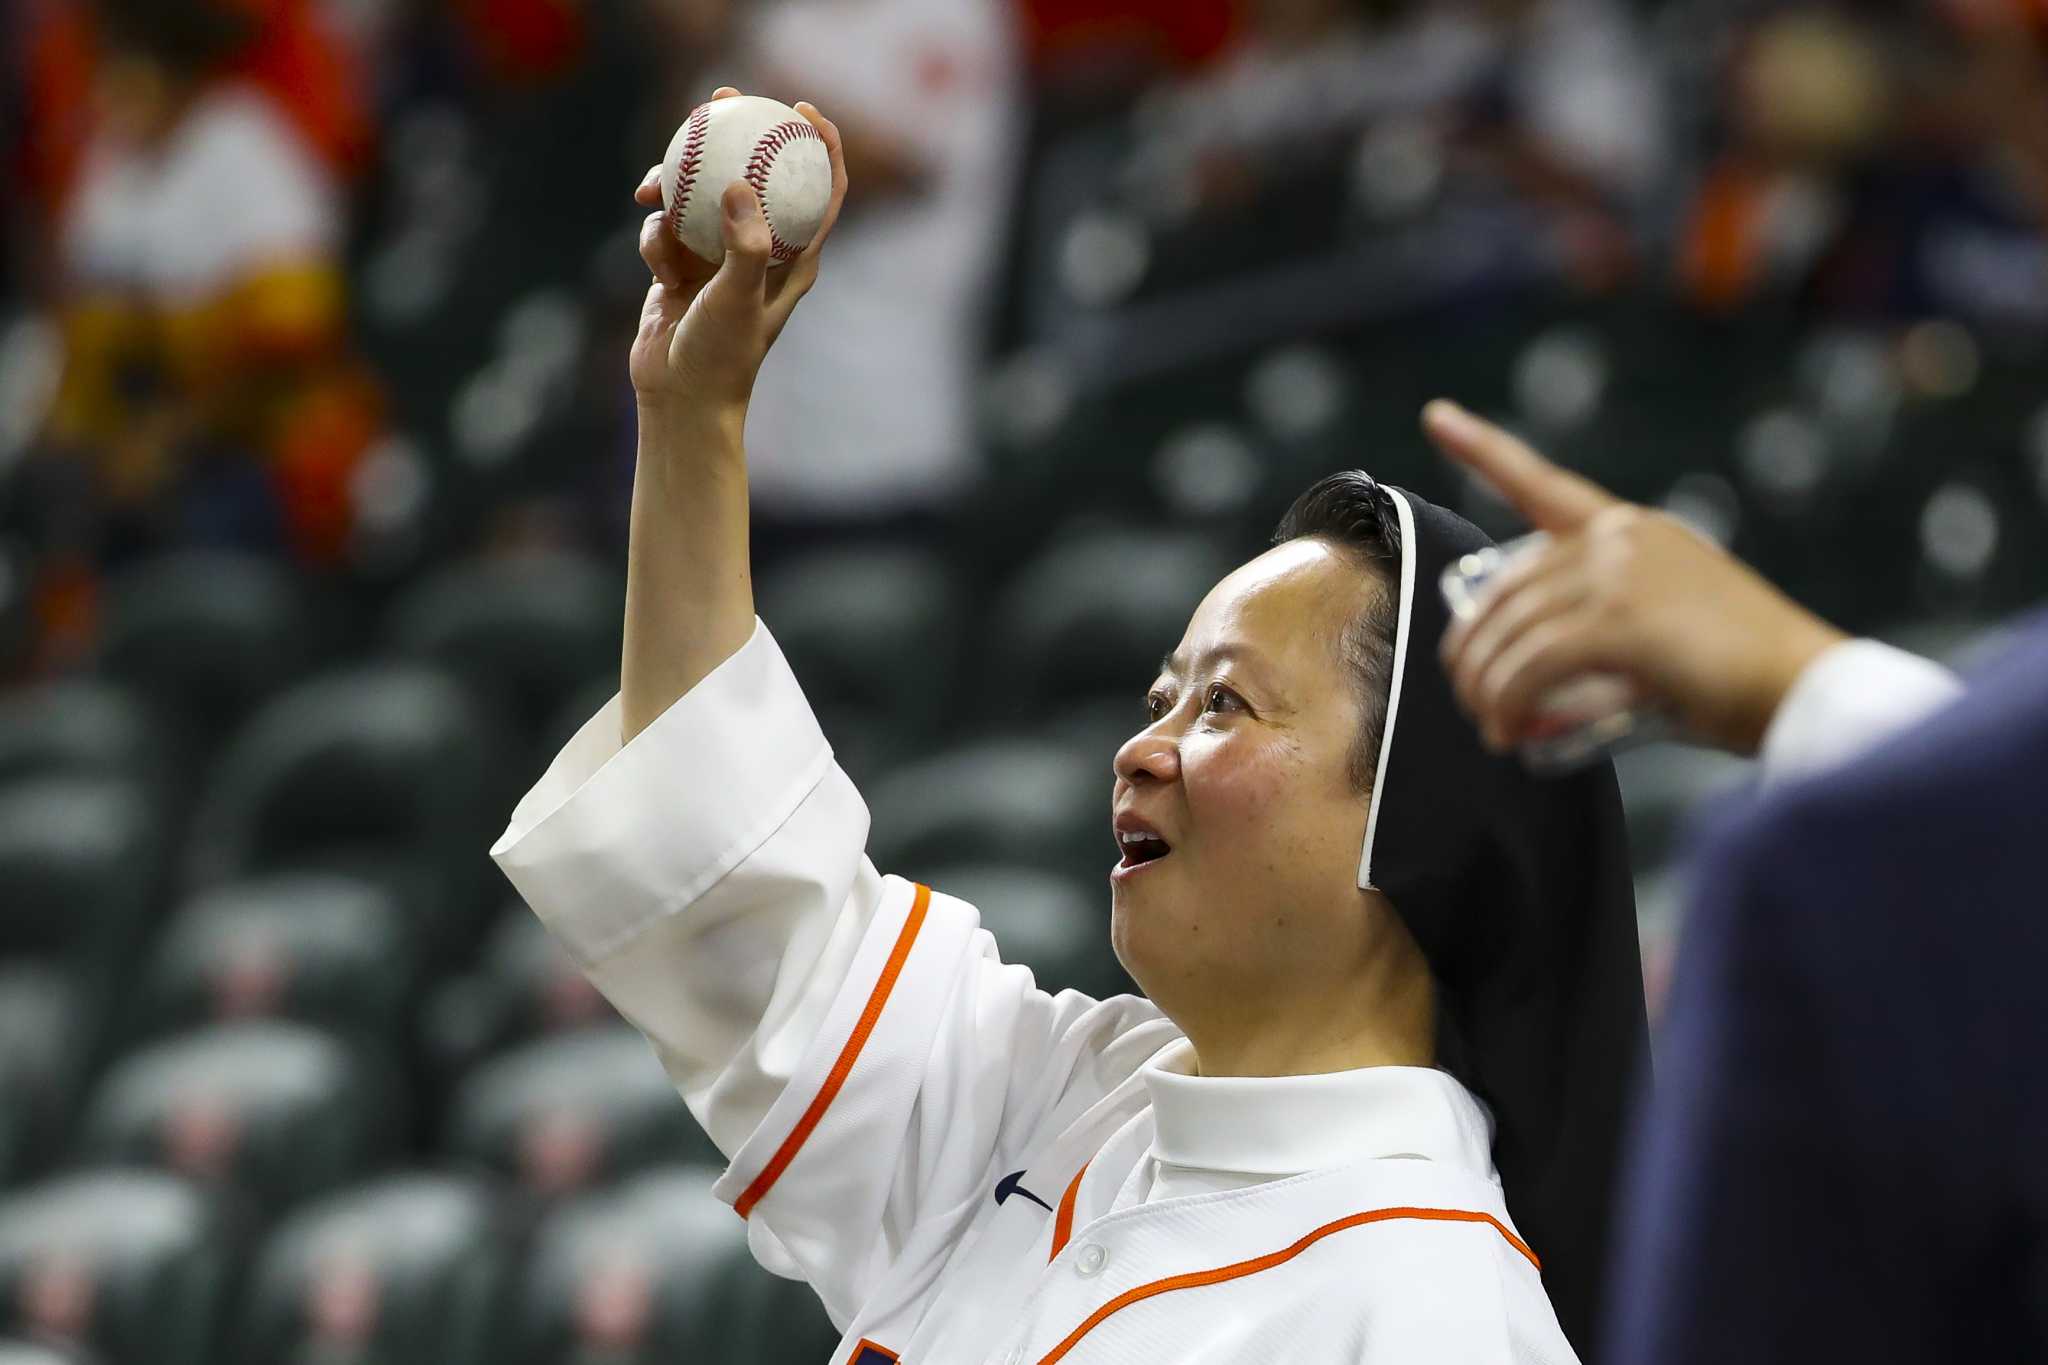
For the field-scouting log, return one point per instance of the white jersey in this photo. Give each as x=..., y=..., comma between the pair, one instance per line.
x=965, y=1168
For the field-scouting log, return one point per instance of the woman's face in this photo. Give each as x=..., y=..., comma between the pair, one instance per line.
x=1243, y=777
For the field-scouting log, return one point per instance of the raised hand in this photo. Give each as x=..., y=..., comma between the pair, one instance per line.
x=1618, y=589
x=704, y=330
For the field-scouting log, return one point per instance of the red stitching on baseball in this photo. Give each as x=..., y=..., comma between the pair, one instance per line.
x=686, y=166
x=758, y=165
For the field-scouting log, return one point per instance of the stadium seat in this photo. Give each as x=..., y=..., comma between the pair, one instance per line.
x=316, y=947
x=1022, y=800
x=1094, y=615
x=654, y=1269
x=404, y=1270
x=206, y=636
x=39, y=1353
x=385, y=770
x=78, y=727
x=1664, y=785
x=80, y=859
x=525, y=632
x=564, y=1112
x=1056, y=926
x=136, y=1266
x=524, y=985
x=873, y=634
x=278, y=1111
x=49, y=1035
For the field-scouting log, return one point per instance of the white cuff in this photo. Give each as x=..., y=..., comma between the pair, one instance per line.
x=613, y=837
x=1852, y=696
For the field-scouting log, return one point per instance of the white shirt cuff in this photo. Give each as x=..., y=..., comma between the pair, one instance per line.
x=1852, y=696
x=612, y=837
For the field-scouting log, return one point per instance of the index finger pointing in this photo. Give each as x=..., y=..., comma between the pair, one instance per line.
x=1550, y=498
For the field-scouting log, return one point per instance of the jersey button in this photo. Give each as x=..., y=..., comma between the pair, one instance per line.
x=1090, y=1260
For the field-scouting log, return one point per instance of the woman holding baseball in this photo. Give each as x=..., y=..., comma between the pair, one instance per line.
x=1368, y=1105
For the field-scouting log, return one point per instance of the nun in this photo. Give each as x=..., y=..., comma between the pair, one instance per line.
x=1367, y=1108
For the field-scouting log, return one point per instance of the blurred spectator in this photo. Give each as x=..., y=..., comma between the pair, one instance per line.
x=1555, y=101
x=1304, y=75
x=1883, y=167
x=208, y=393
x=288, y=48
x=864, y=410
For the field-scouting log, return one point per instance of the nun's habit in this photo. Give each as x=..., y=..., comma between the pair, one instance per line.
x=1517, y=888
x=967, y=1169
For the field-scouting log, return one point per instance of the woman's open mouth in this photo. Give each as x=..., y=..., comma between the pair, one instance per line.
x=1139, y=848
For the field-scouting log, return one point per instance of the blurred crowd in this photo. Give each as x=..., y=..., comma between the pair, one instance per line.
x=344, y=281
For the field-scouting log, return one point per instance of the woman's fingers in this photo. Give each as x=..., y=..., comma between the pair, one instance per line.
x=662, y=252
x=796, y=281
x=742, y=277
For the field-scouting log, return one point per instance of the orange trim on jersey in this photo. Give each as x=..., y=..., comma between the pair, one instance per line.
x=1063, y=1221
x=841, y=1068
x=1202, y=1278
x=863, y=1346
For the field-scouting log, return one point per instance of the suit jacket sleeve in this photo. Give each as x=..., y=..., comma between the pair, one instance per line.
x=852, y=1042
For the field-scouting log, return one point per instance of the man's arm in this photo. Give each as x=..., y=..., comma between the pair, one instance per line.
x=1626, y=590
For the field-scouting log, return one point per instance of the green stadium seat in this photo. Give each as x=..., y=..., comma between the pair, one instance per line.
x=404, y=1270
x=80, y=864
x=1021, y=799
x=315, y=947
x=656, y=1269
x=873, y=634
x=525, y=632
x=49, y=1039
x=1094, y=614
x=39, y=1353
x=77, y=727
x=279, y=1112
x=771, y=1320
x=523, y=986
x=388, y=771
x=135, y=1266
x=565, y=1112
x=1664, y=785
x=1056, y=926
x=585, y=702
x=206, y=636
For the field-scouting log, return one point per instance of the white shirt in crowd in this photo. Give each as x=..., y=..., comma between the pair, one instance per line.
x=233, y=190
x=968, y=1169
x=865, y=406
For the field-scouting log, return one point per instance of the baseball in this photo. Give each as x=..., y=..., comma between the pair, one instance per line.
x=761, y=141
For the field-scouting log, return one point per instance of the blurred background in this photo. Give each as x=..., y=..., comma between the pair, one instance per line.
x=315, y=452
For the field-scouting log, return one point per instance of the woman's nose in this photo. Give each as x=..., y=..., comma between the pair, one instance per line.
x=1148, y=754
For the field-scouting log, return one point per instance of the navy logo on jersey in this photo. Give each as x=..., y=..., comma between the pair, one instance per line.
x=867, y=1353
x=1008, y=1186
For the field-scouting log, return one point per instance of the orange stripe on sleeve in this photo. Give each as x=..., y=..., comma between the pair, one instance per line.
x=841, y=1068
x=1198, y=1279
x=1063, y=1221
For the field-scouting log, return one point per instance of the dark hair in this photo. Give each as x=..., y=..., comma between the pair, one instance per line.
x=187, y=37
x=1351, y=511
